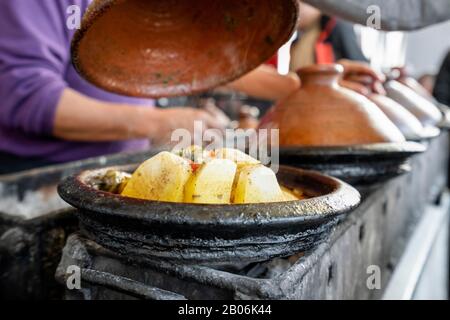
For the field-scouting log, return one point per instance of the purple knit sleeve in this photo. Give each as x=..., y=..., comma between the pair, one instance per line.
x=34, y=55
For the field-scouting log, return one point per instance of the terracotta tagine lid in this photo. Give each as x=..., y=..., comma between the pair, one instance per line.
x=322, y=113
x=408, y=124
x=427, y=113
x=162, y=48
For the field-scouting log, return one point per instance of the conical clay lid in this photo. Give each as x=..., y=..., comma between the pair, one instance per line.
x=322, y=113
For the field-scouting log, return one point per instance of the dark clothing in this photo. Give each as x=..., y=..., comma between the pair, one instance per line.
x=394, y=14
x=343, y=40
x=336, y=41
x=12, y=164
x=442, y=86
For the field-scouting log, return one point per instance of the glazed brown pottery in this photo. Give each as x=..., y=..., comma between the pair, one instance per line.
x=156, y=48
x=322, y=113
x=408, y=124
x=427, y=113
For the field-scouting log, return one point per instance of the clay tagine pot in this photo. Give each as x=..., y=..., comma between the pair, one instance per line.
x=162, y=48
x=401, y=75
x=209, y=234
x=322, y=113
x=427, y=113
x=408, y=124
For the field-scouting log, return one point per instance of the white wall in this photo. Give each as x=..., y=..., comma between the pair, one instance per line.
x=421, y=51
x=425, y=49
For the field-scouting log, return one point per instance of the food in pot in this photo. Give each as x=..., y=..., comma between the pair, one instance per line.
x=212, y=182
x=292, y=195
x=222, y=176
x=256, y=184
x=112, y=181
x=161, y=178
x=240, y=158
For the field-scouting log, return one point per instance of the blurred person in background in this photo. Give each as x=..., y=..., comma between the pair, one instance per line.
x=323, y=39
x=49, y=114
x=442, y=84
x=266, y=83
x=427, y=81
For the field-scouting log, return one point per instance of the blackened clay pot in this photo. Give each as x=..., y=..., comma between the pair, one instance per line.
x=210, y=234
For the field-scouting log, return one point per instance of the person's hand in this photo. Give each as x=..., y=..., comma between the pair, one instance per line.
x=360, y=77
x=168, y=120
x=266, y=83
x=209, y=106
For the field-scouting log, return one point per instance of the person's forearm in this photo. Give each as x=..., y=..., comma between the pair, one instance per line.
x=265, y=83
x=80, y=118
x=394, y=15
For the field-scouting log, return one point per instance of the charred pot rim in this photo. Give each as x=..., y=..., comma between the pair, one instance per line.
x=212, y=251
x=197, y=235
x=159, y=238
x=334, y=197
x=206, y=245
x=98, y=8
x=368, y=152
x=359, y=165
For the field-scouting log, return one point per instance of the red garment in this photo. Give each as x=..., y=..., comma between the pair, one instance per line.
x=324, y=50
x=273, y=61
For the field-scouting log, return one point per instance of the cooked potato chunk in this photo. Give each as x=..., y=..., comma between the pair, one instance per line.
x=289, y=195
x=113, y=181
x=161, y=178
x=237, y=156
x=212, y=183
x=222, y=176
x=257, y=184
x=193, y=153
